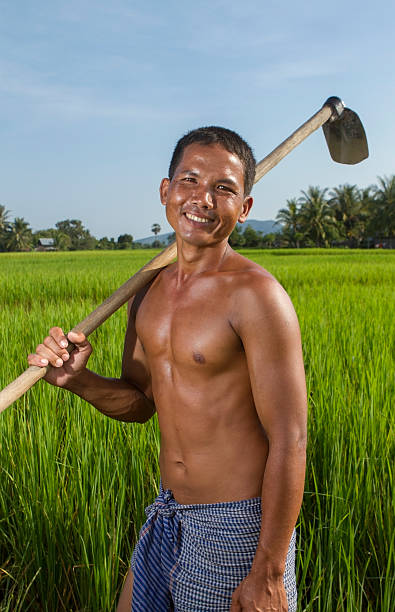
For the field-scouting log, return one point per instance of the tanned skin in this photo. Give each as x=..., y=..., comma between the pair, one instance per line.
x=213, y=345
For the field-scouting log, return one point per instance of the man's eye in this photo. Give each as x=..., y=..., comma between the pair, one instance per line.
x=225, y=188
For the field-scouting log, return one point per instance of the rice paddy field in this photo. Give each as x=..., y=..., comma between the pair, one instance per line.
x=74, y=483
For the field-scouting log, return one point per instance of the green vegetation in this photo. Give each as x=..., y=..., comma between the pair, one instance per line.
x=345, y=216
x=74, y=484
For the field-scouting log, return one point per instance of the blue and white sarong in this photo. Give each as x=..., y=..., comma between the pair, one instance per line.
x=191, y=558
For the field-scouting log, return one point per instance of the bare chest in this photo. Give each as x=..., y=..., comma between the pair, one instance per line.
x=191, y=328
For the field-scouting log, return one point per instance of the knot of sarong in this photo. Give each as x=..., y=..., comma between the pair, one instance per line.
x=167, y=514
x=164, y=505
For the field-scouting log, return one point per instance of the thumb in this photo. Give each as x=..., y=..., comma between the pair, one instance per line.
x=78, y=339
x=236, y=605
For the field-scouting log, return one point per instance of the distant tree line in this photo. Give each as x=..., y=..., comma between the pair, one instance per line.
x=67, y=235
x=343, y=216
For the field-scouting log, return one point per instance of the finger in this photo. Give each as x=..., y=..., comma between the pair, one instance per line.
x=236, y=605
x=44, y=353
x=36, y=360
x=78, y=338
x=80, y=343
x=58, y=335
x=51, y=344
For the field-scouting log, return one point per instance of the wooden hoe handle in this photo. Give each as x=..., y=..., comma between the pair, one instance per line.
x=20, y=385
x=312, y=124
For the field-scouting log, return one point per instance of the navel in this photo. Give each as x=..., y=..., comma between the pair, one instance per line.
x=199, y=358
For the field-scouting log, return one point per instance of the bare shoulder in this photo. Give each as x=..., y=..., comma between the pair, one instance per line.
x=135, y=301
x=260, y=298
x=253, y=282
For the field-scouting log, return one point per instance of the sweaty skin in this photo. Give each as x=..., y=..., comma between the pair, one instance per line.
x=213, y=345
x=213, y=446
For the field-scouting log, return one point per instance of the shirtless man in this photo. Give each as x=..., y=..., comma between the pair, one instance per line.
x=213, y=345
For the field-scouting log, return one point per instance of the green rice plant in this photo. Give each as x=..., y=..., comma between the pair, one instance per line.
x=74, y=484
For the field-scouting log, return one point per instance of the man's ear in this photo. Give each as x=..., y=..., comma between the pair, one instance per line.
x=246, y=209
x=163, y=189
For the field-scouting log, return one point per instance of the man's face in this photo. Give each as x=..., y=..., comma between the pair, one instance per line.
x=205, y=198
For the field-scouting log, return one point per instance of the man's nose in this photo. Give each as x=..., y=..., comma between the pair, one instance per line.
x=204, y=197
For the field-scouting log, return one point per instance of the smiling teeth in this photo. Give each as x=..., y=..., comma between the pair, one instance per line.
x=194, y=218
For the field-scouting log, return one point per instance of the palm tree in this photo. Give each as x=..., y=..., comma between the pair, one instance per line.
x=384, y=197
x=155, y=228
x=290, y=218
x=316, y=216
x=350, y=211
x=4, y=225
x=19, y=236
x=4, y=214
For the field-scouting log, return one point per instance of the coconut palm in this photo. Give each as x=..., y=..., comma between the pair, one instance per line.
x=4, y=214
x=384, y=198
x=4, y=225
x=317, y=221
x=19, y=235
x=155, y=228
x=350, y=210
x=290, y=219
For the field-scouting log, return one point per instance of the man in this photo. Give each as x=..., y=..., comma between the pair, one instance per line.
x=213, y=345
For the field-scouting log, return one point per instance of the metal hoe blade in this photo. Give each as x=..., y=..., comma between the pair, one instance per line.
x=343, y=131
x=345, y=135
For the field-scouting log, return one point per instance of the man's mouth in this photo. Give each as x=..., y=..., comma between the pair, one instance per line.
x=195, y=218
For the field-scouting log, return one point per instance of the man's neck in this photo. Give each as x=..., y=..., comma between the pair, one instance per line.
x=193, y=260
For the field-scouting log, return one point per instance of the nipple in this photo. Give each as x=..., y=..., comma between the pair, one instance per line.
x=199, y=358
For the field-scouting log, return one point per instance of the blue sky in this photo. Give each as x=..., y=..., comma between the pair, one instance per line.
x=94, y=95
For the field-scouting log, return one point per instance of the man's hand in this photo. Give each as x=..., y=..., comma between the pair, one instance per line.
x=117, y=398
x=53, y=351
x=256, y=594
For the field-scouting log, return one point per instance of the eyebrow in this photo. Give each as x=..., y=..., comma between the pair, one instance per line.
x=228, y=181
x=189, y=172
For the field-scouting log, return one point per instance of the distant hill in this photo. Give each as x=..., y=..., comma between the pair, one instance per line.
x=150, y=239
x=266, y=227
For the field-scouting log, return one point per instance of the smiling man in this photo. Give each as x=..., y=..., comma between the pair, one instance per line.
x=213, y=345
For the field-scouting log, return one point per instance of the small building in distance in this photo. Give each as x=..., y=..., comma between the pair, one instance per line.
x=384, y=243
x=46, y=244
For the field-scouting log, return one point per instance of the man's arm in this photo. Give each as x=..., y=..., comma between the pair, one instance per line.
x=268, y=327
x=127, y=398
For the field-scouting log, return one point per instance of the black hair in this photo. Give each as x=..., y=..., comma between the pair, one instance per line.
x=231, y=141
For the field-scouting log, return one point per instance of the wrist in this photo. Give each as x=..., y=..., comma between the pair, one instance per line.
x=267, y=573
x=77, y=381
x=267, y=566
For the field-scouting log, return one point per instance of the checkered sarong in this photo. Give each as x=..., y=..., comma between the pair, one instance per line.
x=190, y=558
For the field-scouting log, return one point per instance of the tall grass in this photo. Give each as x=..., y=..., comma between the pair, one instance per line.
x=74, y=483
